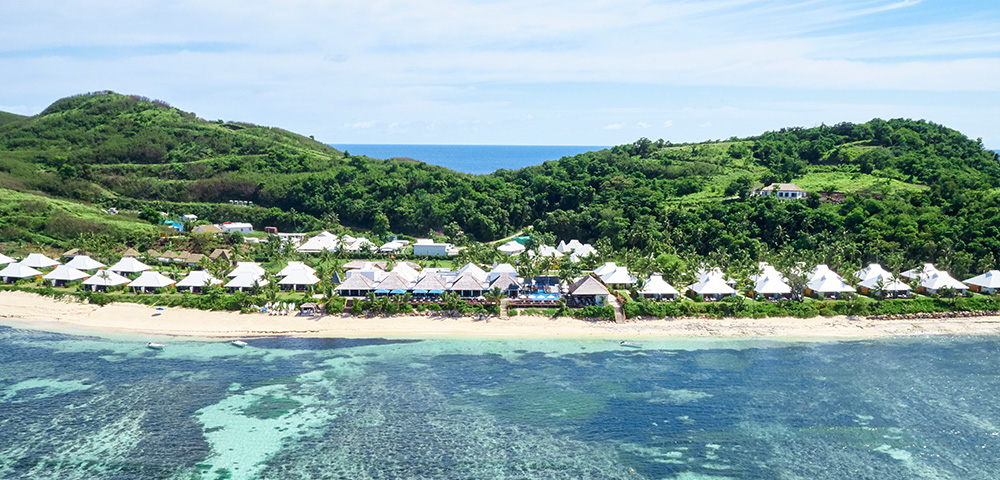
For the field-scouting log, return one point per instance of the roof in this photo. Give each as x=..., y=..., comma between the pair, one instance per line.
x=606, y=269
x=473, y=269
x=821, y=271
x=65, y=272
x=430, y=281
x=299, y=277
x=941, y=279
x=208, y=229
x=588, y=285
x=129, y=265
x=504, y=281
x=872, y=270
x=990, y=279
x=19, y=270
x=246, y=280
x=106, y=278
x=83, y=262
x=657, y=286
x=221, y=252
x=356, y=282
x=198, y=278
x=131, y=252
x=4, y=259
x=889, y=283
x=771, y=285
x=251, y=268
x=827, y=283
x=618, y=277
x=922, y=271
x=151, y=279
x=467, y=281
x=406, y=271
x=511, y=248
x=394, y=281
x=295, y=267
x=712, y=285
x=783, y=187
x=37, y=260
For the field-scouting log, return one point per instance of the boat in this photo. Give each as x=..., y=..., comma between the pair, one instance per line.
x=626, y=343
x=155, y=346
x=239, y=343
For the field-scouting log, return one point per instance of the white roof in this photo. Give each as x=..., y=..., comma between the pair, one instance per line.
x=4, y=259
x=106, y=278
x=829, y=282
x=406, y=271
x=37, y=260
x=990, y=279
x=392, y=246
x=657, y=286
x=872, y=270
x=473, y=270
x=129, y=265
x=822, y=271
x=299, y=277
x=151, y=279
x=889, y=283
x=574, y=246
x=922, y=271
x=618, y=277
x=358, y=244
x=511, y=248
x=773, y=284
x=198, y=278
x=716, y=272
x=65, y=272
x=18, y=270
x=766, y=270
x=251, y=268
x=295, y=266
x=712, y=285
x=246, y=280
x=941, y=279
x=605, y=269
x=84, y=262
x=548, y=251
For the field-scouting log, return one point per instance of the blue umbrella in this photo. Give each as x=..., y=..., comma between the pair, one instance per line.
x=436, y=292
x=398, y=291
x=381, y=291
x=420, y=292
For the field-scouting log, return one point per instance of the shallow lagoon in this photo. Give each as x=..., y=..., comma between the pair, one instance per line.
x=290, y=408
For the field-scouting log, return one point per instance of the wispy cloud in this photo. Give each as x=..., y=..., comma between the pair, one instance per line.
x=614, y=126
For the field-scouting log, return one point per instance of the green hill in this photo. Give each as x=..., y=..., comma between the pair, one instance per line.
x=907, y=188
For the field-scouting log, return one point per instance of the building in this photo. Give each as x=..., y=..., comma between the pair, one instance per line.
x=781, y=190
x=988, y=283
x=212, y=229
x=230, y=227
x=428, y=248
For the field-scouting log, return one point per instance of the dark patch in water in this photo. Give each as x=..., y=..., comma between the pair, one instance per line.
x=309, y=343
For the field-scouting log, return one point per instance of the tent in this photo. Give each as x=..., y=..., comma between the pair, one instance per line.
x=103, y=279
x=64, y=274
x=150, y=281
x=37, y=260
x=83, y=262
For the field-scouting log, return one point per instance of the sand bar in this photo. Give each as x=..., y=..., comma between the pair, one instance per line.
x=44, y=313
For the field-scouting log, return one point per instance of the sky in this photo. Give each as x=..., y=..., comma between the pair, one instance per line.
x=517, y=72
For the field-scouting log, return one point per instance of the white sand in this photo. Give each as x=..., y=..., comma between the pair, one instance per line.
x=45, y=313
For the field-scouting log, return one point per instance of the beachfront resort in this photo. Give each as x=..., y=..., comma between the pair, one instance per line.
x=533, y=277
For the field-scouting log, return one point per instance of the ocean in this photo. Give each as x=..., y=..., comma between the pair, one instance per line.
x=81, y=407
x=478, y=159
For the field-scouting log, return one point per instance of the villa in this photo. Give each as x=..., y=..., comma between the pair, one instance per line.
x=781, y=190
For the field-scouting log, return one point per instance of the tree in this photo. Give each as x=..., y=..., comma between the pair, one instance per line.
x=150, y=215
x=380, y=226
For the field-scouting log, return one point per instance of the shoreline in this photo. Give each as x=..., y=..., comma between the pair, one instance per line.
x=43, y=313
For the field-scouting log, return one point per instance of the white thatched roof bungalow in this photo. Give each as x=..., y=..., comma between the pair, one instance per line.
x=359, y=244
x=393, y=246
x=766, y=270
x=619, y=278
x=244, y=282
x=294, y=267
x=547, y=251
x=872, y=270
x=84, y=262
x=705, y=274
x=64, y=274
x=318, y=243
x=129, y=265
x=298, y=280
x=658, y=289
x=608, y=267
x=886, y=283
x=17, y=271
x=772, y=286
x=920, y=272
x=988, y=282
x=197, y=280
x=37, y=260
x=712, y=286
x=575, y=247
x=511, y=248
x=506, y=282
x=940, y=280
x=247, y=268
x=827, y=284
x=468, y=285
x=431, y=284
x=393, y=284
x=149, y=281
x=355, y=286
x=100, y=281
x=822, y=271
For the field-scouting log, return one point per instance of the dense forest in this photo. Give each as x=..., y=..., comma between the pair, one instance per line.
x=897, y=191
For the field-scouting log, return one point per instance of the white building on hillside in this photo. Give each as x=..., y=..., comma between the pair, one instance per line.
x=230, y=227
x=781, y=190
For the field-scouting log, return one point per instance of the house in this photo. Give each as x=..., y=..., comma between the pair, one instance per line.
x=431, y=285
x=129, y=265
x=17, y=271
x=187, y=218
x=940, y=280
x=872, y=270
x=64, y=274
x=247, y=268
x=658, y=289
x=293, y=267
x=223, y=253
x=5, y=260
x=511, y=248
x=826, y=283
x=393, y=246
x=427, y=248
x=355, y=286
x=920, y=272
x=100, y=281
x=770, y=283
x=885, y=283
x=149, y=281
x=712, y=286
x=197, y=280
x=298, y=280
x=211, y=229
x=619, y=278
x=988, y=283
x=468, y=285
x=230, y=227
x=244, y=282
x=576, y=248
x=588, y=290
x=84, y=262
x=781, y=190
x=507, y=283
x=37, y=260
x=131, y=252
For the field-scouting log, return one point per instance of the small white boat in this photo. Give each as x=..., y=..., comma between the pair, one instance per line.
x=155, y=346
x=626, y=343
x=239, y=343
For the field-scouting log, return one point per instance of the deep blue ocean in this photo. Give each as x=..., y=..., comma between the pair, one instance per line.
x=81, y=407
x=470, y=158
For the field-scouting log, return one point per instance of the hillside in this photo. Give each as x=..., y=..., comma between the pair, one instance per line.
x=907, y=188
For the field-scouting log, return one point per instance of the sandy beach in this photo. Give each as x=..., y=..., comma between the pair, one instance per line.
x=35, y=311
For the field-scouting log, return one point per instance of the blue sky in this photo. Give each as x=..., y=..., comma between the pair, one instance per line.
x=514, y=72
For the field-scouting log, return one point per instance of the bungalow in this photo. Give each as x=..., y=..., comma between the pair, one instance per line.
x=197, y=280
x=872, y=270
x=658, y=289
x=468, y=285
x=129, y=265
x=428, y=248
x=393, y=246
x=230, y=227
x=712, y=286
x=430, y=285
x=209, y=229
x=511, y=248
x=826, y=283
x=100, y=281
x=17, y=271
x=988, y=283
x=618, y=279
x=507, y=283
x=84, y=262
x=294, y=267
x=886, y=283
x=781, y=190
x=588, y=290
x=149, y=281
x=298, y=280
x=247, y=268
x=355, y=286
x=5, y=260
x=37, y=260
x=223, y=253
x=920, y=272
x=940, y=280
x=771, y=285
x=244, y=282
x=64, y=274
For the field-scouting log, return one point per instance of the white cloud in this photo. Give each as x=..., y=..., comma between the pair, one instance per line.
x=642, y=125
x=368, y=124
x=668, y=124
x=614, y=126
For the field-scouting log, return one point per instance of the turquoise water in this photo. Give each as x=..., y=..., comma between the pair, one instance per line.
x=470, y=158
x=83, y=407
